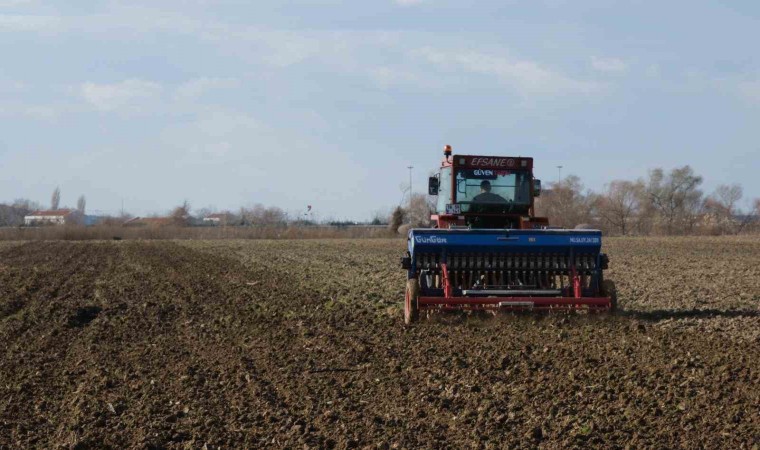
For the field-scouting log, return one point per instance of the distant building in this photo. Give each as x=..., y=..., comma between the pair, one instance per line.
x=92, y=220
x=217, y=219
x=149, y=222
x=51, y=217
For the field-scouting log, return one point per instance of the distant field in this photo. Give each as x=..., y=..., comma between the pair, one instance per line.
x=7, y=244
x=293, y=344
x=118, y=232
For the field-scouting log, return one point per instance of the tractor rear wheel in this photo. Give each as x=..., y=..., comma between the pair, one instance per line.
x=411, y=310
x=609, y=290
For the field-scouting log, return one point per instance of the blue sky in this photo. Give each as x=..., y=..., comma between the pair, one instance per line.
x=326, y=102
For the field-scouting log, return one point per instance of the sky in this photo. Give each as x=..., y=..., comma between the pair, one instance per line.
x=326, y=103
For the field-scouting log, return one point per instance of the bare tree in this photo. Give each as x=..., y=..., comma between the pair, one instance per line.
x=26, y=204
x=380, y=218
x=753, y=221
x=565, y=204
x=242, y=217
x=13, y=215
x=181, y=214
x=81, y=204
x=619, y=205
x=693, y=213
x=728, y=196
x=55, y=199
x=204, y=212
x=270, y=215
x=397, y=219
x=420, y=209
x=748, y=221
x=263, y=215
x=721, y=209
x=675, y=197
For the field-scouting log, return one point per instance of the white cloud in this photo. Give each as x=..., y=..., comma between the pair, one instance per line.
x=276, y=48
x=10, y=86
x=609, y=65
x=193, y=89
x=653, y=71
x=214, y=134
x=142, y=96
x=41, y=112
x=10, y=3
x=119, y=21
x=348, y=52
x=219, y=124
x=20, y=22
x=745, y=87
x=750, y=90
x=34, y=112
x=526, y=77
x=393, y=76
x=127, y=94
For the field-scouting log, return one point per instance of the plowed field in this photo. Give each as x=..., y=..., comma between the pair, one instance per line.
x=300, y=344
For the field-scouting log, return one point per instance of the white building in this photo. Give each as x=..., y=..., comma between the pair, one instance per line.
x=217, y=219
x=50, y=217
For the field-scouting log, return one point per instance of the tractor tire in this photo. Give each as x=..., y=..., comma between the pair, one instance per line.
x=609, y=290
x=411, y=310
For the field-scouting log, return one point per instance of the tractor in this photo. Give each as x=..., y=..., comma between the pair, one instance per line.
x=488, y=251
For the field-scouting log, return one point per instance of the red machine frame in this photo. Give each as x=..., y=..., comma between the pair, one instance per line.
x=451, y=302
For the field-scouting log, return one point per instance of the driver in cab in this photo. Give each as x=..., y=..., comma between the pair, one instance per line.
x=486, y=196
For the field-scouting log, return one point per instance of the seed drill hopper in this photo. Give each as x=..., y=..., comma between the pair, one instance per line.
x=488, y=251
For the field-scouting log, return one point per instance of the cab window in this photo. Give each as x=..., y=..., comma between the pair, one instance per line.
x=444, y=190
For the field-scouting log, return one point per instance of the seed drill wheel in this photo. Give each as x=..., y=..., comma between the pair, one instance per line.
x=411, y=311
x=609, y=290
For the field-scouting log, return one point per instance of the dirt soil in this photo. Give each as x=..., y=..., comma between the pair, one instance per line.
x=301, y=344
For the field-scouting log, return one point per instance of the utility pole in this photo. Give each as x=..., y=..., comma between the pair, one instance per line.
x=410, y=192
x=559, y=176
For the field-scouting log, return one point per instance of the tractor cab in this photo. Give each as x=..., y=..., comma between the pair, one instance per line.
x=485, y=192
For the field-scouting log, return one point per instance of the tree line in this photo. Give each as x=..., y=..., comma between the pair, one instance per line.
x=12, y=214
x=662, y=203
